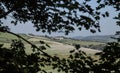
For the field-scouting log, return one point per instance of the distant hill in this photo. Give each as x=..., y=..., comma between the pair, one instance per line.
x=78, y=37
x=6, y=37
x=99, y=38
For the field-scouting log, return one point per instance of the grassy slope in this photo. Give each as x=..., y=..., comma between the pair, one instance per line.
x=58, y=47
x=6, y=38
x=82, y=43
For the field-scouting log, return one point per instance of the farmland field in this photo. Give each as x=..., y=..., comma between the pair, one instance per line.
x=57, y=46
x=60, y=48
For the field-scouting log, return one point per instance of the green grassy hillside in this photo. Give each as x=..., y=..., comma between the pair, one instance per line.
x=99, y=38
x=82, y=43
x=59, y=48
x=6, y=37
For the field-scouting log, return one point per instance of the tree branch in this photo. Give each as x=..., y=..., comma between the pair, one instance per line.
x=29, y=43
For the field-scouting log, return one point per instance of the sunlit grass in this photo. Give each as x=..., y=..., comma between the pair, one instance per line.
x=58, y=48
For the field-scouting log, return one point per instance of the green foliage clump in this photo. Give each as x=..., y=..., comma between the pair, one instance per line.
x=16, y=60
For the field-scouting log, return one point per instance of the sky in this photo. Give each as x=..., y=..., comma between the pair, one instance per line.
x=107, y=25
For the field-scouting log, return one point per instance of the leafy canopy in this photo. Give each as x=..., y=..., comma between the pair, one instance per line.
x=51, y=16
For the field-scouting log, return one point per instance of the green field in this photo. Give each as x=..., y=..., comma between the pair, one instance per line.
x=82, y=43
x=60, y=48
